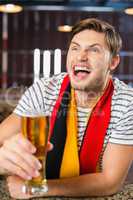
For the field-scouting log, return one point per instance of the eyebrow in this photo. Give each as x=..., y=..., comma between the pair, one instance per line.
x=92, y=45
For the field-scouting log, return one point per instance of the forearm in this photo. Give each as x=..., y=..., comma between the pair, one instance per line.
x=86, y=185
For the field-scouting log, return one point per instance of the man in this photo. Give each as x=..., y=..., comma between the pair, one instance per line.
x=94, y=111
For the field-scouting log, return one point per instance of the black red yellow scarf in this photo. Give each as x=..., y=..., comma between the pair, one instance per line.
x=65, y=160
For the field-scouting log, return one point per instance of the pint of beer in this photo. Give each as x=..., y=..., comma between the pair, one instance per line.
x=36, y=130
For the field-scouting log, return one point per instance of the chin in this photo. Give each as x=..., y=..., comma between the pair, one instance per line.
x=86, y=87
x=79, y=86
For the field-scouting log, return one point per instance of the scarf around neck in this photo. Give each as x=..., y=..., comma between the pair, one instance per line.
x=65, y=160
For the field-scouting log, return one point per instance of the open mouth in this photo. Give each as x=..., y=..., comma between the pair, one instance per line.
x=81, y=72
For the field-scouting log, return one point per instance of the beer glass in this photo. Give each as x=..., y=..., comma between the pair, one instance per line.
x=36, y=130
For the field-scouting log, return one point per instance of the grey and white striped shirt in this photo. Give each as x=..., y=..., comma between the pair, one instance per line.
x=40, y=98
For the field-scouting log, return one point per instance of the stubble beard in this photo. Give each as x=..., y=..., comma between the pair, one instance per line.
x=92, y=86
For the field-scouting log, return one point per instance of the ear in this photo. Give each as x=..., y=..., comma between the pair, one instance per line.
x=114, y=62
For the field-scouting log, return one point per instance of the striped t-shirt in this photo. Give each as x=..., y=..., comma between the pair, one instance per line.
x=40, y=99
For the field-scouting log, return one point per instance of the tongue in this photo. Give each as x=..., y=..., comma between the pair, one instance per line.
x=81, y=75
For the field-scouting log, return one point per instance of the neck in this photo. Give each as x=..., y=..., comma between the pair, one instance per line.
x=89, y=99
x=86, y=99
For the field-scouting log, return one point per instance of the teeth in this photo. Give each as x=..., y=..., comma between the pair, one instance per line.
x=83, y=68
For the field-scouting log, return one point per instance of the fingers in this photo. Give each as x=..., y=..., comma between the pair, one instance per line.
x=16, y=157
x=21, y=152
x=49, y=146
x=16, y=164
x=16, y=170
x=22, y=141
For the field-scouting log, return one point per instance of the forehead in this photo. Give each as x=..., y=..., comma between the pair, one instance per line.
x=89, y=37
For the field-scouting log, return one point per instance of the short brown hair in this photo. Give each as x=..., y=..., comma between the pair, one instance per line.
x=112, y=37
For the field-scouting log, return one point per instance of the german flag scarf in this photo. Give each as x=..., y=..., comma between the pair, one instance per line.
x=65, y=160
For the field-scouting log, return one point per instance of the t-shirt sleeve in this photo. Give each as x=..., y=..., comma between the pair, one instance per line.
x=32, y=101
x=122, y=133
x=40, y=98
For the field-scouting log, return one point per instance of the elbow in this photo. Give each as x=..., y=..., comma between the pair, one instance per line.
x=113, y=186
x=113, y=189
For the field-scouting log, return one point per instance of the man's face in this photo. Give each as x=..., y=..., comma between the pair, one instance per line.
x=88, y=61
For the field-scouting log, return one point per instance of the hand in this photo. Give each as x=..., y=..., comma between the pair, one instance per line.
x=16, y=157
x=15, y=185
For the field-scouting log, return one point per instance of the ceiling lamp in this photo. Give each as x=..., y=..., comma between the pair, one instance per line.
x=10, y=8
x=65, y=28
x=129, y=11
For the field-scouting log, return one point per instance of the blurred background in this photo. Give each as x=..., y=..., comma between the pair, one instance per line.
x=35, y=35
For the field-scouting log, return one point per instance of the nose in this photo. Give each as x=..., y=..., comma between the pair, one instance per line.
x=83, y=55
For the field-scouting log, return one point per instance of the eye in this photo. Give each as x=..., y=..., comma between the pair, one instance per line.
x=94, y=49
x=74, y=48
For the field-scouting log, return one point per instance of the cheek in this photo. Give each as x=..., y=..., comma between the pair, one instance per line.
x=68, y=61
x=100, y=70
x=67, y=65
x=101, y=64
